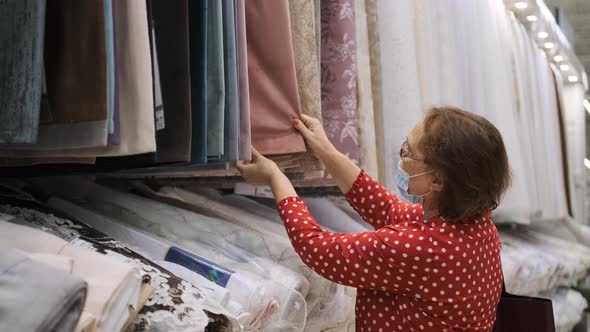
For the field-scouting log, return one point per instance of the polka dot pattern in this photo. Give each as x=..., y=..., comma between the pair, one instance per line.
x=411, y=274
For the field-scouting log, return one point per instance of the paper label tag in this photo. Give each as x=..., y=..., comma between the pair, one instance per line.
x=160, y=122
x=250, y=190
x=197, y=264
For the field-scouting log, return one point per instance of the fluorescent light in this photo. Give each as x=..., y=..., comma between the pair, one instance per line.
x=531, y=18
x=521, y=5
x=587, y=105
x=558, y=58
x=542, y=35
x=573, y=79
x=549, y=45
x=564, y=67
x=587, y=163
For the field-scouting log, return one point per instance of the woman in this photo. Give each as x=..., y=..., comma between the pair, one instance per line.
x=430, y=265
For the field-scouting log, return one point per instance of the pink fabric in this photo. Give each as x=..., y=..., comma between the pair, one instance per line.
x=274, y=96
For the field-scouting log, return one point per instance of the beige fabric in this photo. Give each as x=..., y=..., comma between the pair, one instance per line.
x=305, y=47
x=135, y=88
x=112, y=285
x=375, y=59
x=367, y=139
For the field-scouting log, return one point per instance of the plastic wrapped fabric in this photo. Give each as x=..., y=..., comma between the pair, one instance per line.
x=157, y=249
x=326, y=301
x=213, y=239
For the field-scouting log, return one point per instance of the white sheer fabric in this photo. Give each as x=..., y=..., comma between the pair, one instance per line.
x=399, y=76
x=573, y=97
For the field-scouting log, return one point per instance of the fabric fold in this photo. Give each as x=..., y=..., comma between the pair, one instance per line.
x=274, y=97
x=55, y=302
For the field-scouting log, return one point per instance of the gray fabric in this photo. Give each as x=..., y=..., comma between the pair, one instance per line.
x=22, y=26
x=232, y=112
x=215, y=81
x=37, y=297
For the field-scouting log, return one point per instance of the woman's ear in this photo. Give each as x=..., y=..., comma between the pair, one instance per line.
x=438, y=182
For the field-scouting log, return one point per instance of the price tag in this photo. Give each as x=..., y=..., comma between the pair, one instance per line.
x=255, y=191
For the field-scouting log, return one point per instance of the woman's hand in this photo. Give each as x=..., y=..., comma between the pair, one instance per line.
x=315, y=136
x=260, y=171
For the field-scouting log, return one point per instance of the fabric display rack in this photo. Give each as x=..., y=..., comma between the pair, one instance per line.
x=122, y=121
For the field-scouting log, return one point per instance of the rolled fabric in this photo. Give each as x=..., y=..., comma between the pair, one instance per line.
x=55, y=302
x=113, y=286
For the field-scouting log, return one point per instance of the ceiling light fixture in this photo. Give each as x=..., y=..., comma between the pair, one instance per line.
x=521, y=5
x=573, y=78
x=564, y=67
x=549, y=45
x=542, y=35
x=558, y=58
x=531, y=18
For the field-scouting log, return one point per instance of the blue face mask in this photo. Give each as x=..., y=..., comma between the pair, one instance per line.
x=403, y=184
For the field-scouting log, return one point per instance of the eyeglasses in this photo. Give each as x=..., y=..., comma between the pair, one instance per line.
x=405, y=152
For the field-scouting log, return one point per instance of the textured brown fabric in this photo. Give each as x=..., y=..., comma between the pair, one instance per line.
x=75, y=60
x=274, y=97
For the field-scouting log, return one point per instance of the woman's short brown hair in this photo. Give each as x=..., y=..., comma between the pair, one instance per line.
x=469, y=152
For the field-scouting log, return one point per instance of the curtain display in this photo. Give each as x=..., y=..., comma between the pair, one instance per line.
x=151, y=103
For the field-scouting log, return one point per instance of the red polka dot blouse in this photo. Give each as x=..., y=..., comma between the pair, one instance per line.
x=411, y=274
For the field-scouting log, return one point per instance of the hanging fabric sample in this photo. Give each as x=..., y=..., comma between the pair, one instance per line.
x=274, y=97
x=339, y=75
x=113, y=116
x=21, y=65
x=197, y=21
x=134, y=77
x=245, y=138
x=55, y=302
x=175, y=305
x=232, y=106
x=367, y=140
x=173, y=136
x=79, y=104
x=567, y=178
x=306, y=52
x=375, y=62
x=77, y=112
x=114, y=137
x=400, y=93
x=215, y=81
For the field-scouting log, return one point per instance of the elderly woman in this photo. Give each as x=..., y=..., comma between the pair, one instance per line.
x=433, y=262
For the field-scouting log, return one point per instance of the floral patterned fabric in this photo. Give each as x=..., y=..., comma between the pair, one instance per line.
x=339, y=75
x=176, y=305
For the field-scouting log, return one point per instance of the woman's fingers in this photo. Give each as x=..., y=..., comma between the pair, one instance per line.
x=307, y=120
x=302, y=128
